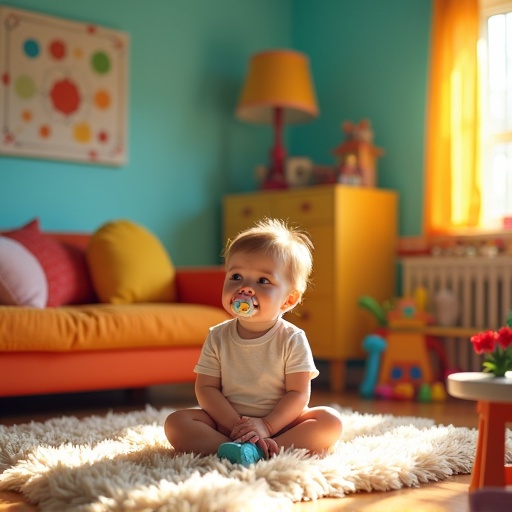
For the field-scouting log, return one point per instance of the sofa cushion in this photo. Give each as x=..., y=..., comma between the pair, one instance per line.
x=106, y=326
x=128, y=264
x=66, y=270
x=22, y=278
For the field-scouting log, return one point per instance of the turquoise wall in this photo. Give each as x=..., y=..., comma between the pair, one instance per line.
x=369, y=60
x=186, y=149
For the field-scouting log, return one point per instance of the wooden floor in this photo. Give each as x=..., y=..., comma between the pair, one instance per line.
x=447, y=496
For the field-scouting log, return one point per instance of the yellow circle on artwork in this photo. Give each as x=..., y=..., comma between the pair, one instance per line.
x=102, y=99
x=82, y=132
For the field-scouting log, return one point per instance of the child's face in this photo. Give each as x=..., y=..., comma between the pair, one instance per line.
x=264, y=279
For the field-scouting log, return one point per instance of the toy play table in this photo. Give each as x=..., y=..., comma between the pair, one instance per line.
x=494, y=406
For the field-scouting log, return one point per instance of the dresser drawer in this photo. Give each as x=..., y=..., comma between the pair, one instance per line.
x=322, y=279
x=242, y=212
x=316, y=318
x=306, y=207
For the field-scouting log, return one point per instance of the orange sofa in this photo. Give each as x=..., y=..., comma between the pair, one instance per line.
x=96, y=346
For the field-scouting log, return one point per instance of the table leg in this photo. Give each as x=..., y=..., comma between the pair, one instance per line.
x=489, y=469
x=477, y=465
x=493, y=455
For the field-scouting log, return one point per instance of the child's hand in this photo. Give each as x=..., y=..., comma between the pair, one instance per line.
x=254, y=430
x=249, y=430
x=269, y=447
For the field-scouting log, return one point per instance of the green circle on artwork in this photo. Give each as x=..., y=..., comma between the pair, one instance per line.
x=25, y=87
x=100, y=62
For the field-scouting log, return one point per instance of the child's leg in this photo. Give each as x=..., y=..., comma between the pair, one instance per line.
x=192, y=430
x=316, y=430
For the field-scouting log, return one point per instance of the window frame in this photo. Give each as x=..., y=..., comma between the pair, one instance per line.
x=489, y=137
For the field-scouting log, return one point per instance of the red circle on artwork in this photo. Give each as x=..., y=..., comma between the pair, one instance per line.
x=65, y=96
x=6, y=79
x=57, y=49
x=102, y=136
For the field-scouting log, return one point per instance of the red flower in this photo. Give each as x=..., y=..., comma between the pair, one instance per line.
x=484, y=342
x=497, y=347
x=505, y=337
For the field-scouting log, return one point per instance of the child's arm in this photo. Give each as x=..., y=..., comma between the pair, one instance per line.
x=212, y=401
x=296, y=399
x=288, y=409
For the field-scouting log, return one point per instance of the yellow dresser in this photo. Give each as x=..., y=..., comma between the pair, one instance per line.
x=354, y=231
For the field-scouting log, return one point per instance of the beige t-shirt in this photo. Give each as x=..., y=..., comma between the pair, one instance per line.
x=253, y=371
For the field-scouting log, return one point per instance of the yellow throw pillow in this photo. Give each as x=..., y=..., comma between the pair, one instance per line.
x=129, y=264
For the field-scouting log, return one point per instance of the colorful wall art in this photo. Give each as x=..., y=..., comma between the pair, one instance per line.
x=63, y=89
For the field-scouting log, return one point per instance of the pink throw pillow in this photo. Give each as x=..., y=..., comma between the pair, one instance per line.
x=64, y=266
x=22, y=278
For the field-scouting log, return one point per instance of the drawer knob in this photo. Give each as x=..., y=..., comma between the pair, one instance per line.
x=305, y=315
x=247, y=211
x=305, y=206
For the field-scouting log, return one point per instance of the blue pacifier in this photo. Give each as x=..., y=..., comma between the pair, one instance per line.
x=244, y=305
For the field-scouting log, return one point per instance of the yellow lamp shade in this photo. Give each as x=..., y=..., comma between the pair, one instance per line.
x=278, y=78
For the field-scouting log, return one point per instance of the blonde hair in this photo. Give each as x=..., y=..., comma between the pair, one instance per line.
x=285, y=243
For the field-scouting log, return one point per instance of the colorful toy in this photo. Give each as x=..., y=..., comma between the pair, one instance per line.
x=398, y=363
x=438, y=392
x=374, y=345
x=406, y=359
x=384, y=391
x=424, y=393
x=403, y=391
x=244, y=305
x=375, y=308
x=356, y=155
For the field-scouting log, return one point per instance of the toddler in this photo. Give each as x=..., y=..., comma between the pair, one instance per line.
x=254, y=373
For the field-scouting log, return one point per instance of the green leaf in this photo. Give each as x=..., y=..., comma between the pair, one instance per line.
x=488, y=366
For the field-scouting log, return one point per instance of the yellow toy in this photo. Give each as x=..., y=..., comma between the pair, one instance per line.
x=406, y=358
x=403, y=391
x=405, y=367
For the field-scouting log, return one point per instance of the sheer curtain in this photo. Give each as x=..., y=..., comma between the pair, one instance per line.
x=452, y=167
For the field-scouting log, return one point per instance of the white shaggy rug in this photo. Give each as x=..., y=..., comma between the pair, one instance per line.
x=123, y=462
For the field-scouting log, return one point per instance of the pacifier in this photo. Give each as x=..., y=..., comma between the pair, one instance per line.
x=244, y=305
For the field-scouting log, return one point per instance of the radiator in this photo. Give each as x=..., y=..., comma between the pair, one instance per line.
x=482, y=287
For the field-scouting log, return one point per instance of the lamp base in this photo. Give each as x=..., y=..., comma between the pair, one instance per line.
x=275, y=179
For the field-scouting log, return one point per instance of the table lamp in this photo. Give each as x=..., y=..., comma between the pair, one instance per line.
x=278, y=89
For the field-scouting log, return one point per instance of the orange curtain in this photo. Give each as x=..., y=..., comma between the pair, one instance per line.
x=452, y=167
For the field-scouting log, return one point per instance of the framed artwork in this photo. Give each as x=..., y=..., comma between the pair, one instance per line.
x=298, y=171
x=63, y=89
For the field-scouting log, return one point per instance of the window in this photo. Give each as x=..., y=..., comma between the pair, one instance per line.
x=495, y=55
